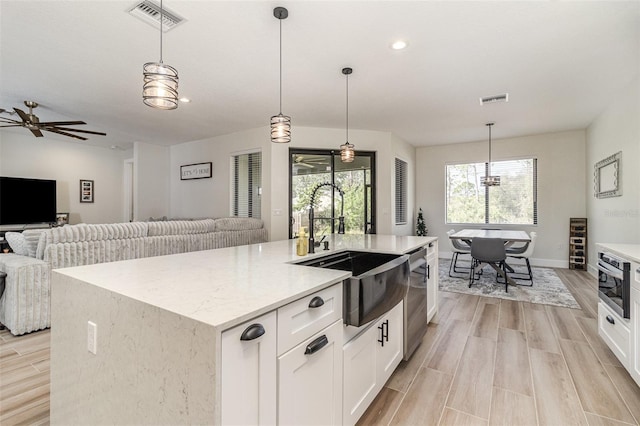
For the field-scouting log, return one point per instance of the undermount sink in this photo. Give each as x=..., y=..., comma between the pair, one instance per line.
x=379, y=282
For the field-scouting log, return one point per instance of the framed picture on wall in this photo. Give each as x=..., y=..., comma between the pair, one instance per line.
x=86, y=191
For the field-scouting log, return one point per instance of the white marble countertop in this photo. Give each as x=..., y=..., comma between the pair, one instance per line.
x=224, y=287
x=628, y=251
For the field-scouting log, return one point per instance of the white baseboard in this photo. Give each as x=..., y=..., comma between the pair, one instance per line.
x=544, y=263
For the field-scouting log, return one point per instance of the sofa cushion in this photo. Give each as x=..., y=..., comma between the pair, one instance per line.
x=238, y=223
x=181, y=227
x=31, y=238
x=17, y=242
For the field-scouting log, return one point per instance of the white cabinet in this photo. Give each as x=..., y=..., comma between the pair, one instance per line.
x=310, y=380
x=432, y=280
x=634, y=362
x=369, y=360
x=249, y=372
x=635, y=327
x=614, y=330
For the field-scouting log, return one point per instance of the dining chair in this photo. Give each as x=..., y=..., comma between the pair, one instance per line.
x=488, y=251
x=457, y=248
x=525, y=253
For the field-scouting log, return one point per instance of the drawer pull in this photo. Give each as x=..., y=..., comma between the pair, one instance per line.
x=316, y=302
x=316, y=345
x=252, y=332
x=610, y=319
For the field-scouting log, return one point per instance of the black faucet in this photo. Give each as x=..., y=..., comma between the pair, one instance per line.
x=311, y=218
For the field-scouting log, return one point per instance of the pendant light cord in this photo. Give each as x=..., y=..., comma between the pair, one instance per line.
x=280, y=19
x=347, y=108
x=161, y=19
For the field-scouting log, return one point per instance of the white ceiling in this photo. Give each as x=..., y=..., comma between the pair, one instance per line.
x=560, y=62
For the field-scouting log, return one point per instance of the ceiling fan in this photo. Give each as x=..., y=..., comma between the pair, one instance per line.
x=32, y=122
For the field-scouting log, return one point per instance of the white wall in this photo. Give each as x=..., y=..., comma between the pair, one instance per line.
x=561, y=186
x=151, y=181
x=616, y=219
x=22, y=155
x=211, y=197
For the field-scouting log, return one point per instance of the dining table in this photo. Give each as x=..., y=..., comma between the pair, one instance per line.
x=509, y=236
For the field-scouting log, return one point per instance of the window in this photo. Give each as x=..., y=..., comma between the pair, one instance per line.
x=513, y=202
x=247, y=184
x=401, y=192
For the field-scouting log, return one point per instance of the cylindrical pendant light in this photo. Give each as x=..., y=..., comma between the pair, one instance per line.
x=347, y=154
x=280, y=124
x=160, y=89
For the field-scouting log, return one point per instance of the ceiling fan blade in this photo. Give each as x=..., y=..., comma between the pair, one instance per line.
x=37, y=133
x=61, y=123
x=9, y=120
x=23, y=115
x=11, y=125
x=54, y=130
x=72, y=130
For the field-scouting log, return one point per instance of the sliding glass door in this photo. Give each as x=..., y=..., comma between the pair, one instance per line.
x=309, y=168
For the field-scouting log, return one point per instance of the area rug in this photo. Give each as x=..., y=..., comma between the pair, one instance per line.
x=548, y=288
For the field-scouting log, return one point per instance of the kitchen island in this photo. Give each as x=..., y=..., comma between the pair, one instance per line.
x=140, y=341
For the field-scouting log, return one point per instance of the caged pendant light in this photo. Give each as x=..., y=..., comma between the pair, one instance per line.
x=347, y=154
x=280, y=124
x=490, y=180
x=160, y=89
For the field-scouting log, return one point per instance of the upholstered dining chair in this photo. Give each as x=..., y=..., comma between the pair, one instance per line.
x=525, y=253
x=457, y=248
x=488, y=251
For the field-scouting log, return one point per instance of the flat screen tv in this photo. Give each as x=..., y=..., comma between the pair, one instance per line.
x=26, y=201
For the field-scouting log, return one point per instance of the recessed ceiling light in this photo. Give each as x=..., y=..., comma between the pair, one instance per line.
x=185, y=100
x=399, y=45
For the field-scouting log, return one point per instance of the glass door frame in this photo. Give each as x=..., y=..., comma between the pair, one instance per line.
x=333, y=154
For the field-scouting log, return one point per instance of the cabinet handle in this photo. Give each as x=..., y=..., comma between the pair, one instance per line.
x=610, y=319
x=316, y=345
x=252, y=332
x=384, y=333
x=316, y=302
x=428, y=271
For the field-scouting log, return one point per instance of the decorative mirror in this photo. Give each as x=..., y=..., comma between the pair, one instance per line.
x=606, y=176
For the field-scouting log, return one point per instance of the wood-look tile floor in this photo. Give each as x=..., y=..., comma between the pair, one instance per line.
x=482, y=361
x=490, y=361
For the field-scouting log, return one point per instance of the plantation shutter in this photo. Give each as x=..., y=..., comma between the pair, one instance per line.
x=247, y=185
x=401, y=192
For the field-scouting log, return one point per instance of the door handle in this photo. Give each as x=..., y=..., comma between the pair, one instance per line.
x=610, y=319
x=316, y=302
x=316, y=345
x=252, y=332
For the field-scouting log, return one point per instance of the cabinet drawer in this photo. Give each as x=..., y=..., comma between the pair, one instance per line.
x=299, y=320
x=616, y=335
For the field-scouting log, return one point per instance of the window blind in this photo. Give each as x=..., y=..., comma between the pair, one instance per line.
x=247, y=185
x=401, y=192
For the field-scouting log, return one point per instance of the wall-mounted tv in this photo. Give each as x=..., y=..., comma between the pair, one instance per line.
x=26, y=201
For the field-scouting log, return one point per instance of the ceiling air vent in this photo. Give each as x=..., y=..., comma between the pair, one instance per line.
x=493, y=99
x=149, y=12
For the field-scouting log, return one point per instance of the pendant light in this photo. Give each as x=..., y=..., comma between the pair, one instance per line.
x=160, y=89
x=490, y=180
x=280, y=124
x=347, y=154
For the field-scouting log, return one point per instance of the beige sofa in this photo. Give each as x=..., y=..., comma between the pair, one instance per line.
x=25, y=303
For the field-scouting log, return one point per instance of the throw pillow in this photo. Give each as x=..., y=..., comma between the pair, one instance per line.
x=16, y=242
x=31, y=238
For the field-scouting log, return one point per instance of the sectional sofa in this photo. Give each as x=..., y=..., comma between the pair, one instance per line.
x=25, y=303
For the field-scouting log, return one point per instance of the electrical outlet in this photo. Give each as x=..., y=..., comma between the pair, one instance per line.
x=92, y=337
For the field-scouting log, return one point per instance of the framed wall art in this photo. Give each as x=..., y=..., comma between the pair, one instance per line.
x=196, y=171
x=606, y=177
x=62, y=219
x=86, y=191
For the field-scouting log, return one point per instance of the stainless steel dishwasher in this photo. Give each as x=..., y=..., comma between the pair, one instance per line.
x=415, y=303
